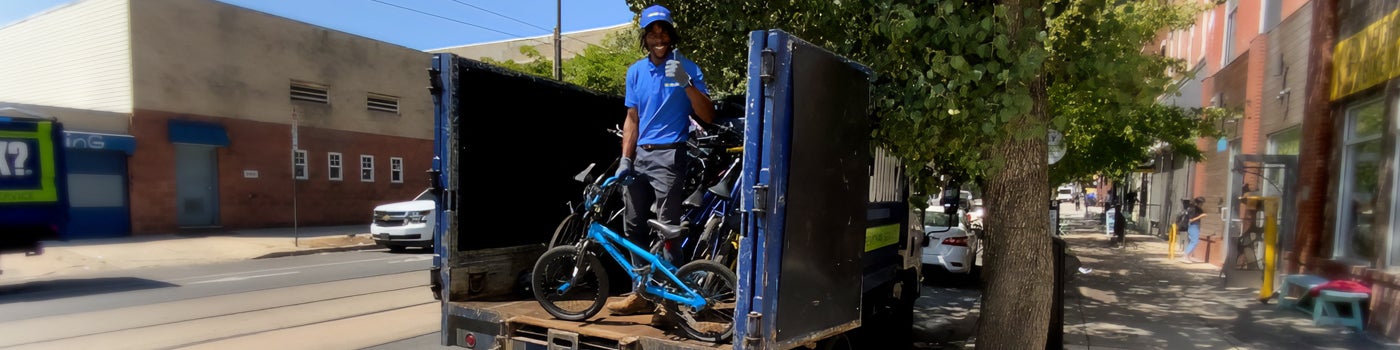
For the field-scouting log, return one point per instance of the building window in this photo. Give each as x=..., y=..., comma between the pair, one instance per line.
x=383, y=103
x=1357, y=199
x=1286, y=142
x=310, y=92
x=299, y=164
x=396, y=170
x=1229, y=48
x=333, y=165
x=366, y=168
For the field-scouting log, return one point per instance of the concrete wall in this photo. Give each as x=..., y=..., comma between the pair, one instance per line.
x=81, y=119
x=83, y=60
x=214, y=59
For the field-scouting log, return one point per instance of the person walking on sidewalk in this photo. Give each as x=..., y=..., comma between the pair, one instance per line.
x=662, y=90
x=1194, y=214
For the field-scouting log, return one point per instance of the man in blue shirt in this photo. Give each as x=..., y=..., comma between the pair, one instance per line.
x=663, y=90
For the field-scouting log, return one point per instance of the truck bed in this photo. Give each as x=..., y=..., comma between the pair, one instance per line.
x=528, y=326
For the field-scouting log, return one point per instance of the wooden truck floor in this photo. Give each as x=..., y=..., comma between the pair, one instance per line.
x=526, y=321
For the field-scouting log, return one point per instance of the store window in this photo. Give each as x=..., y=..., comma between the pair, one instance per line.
x=1361, y=161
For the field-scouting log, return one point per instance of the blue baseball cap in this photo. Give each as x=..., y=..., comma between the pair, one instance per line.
x=656, y=13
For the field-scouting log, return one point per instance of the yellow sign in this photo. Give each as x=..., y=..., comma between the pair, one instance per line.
x=880, y=236
x=47, y=191
x=1367, y=58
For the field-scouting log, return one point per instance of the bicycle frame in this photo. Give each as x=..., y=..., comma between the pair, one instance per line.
x=610, y=240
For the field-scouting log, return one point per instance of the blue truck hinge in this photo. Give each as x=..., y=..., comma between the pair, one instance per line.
x=760, y=198
x=435, y=81
x=752, y=340
x=765, y=68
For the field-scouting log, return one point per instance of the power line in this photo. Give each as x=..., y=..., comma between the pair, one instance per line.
x=522, y=22
x=450, y=19
x=517, y=36
x=502, y=16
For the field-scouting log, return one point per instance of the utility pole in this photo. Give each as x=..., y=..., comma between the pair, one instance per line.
x=558, y=23
x=296, y=232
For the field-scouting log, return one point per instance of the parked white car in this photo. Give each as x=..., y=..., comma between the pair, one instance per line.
x=405, y=224
x=950, y=247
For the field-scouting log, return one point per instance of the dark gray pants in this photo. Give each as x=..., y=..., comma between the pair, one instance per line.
x=658, y=186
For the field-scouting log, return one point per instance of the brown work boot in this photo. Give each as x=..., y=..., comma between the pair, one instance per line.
x=662, y=319
x=632, y=305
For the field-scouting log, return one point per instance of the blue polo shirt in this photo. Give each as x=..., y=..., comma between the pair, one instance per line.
x=661, y=103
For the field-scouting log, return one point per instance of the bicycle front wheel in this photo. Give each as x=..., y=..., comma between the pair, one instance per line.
x=583, y=299
x=718, y=285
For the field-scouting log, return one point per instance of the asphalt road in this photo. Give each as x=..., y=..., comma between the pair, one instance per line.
x=352, y=300
x=349, y=300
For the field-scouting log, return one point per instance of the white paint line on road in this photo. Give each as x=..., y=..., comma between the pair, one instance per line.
x=241, y=278
x=416, y=258
x=280, y=269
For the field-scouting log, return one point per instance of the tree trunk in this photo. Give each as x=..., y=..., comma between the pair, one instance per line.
x=1019, y=291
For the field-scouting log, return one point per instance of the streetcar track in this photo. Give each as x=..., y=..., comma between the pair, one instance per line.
x=235, y=313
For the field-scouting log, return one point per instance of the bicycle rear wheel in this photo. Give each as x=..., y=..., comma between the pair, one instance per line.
x=719, y=286
x=583, y=299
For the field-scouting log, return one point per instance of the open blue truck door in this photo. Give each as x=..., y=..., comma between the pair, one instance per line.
x=506, y=145
x=806, y=178
x=33, y=187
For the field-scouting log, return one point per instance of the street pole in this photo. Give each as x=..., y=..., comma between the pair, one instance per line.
x=558, y=48
x=296, y=233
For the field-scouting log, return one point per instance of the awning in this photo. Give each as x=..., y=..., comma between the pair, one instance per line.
x=99, y=141
x=199, y=133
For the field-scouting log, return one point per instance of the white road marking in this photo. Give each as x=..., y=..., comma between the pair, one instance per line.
x=241, y=278
x=416, y=258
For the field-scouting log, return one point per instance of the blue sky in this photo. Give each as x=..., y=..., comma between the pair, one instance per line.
x=377, y=20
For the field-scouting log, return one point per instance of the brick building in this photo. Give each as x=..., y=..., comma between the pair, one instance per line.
x=200, y=97
x=1315, y=84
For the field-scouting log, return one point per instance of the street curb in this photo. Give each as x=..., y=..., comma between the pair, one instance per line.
x=318, y=251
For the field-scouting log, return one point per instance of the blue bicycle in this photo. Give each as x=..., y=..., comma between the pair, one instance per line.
x=571, y=283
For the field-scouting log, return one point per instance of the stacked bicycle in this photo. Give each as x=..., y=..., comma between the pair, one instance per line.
x=571, y=283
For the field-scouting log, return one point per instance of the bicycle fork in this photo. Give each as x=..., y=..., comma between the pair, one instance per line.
x=580, y=265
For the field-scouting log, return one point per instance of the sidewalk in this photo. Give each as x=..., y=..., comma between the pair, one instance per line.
x=1135, y=298
x=61, y=258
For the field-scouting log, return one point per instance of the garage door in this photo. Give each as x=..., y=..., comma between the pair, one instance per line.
x=97, y=185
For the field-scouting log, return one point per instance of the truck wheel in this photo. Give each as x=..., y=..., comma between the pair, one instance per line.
x=582, y=300
x=719, y=286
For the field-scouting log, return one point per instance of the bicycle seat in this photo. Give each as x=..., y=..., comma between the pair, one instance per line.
x=667, y=231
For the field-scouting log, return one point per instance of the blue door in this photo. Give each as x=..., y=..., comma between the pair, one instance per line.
x=97, y=194
x=807, y=154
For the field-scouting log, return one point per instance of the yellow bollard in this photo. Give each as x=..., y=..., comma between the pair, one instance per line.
x=1266, y=290
x=1171, y=243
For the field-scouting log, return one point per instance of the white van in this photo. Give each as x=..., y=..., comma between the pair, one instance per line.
x=1065, y=194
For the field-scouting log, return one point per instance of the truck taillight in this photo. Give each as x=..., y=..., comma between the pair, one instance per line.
x=955, y=241
x=470, y=342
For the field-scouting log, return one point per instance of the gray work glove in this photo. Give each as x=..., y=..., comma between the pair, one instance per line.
x=676, y=72
x=624, y=168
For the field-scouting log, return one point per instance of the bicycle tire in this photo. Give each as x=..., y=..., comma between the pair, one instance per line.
x=555, y=268
x=704, y=246
x=569, y=231
x=719, y=286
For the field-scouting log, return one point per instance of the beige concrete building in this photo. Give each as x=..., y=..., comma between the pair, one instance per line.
x=192, y=103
